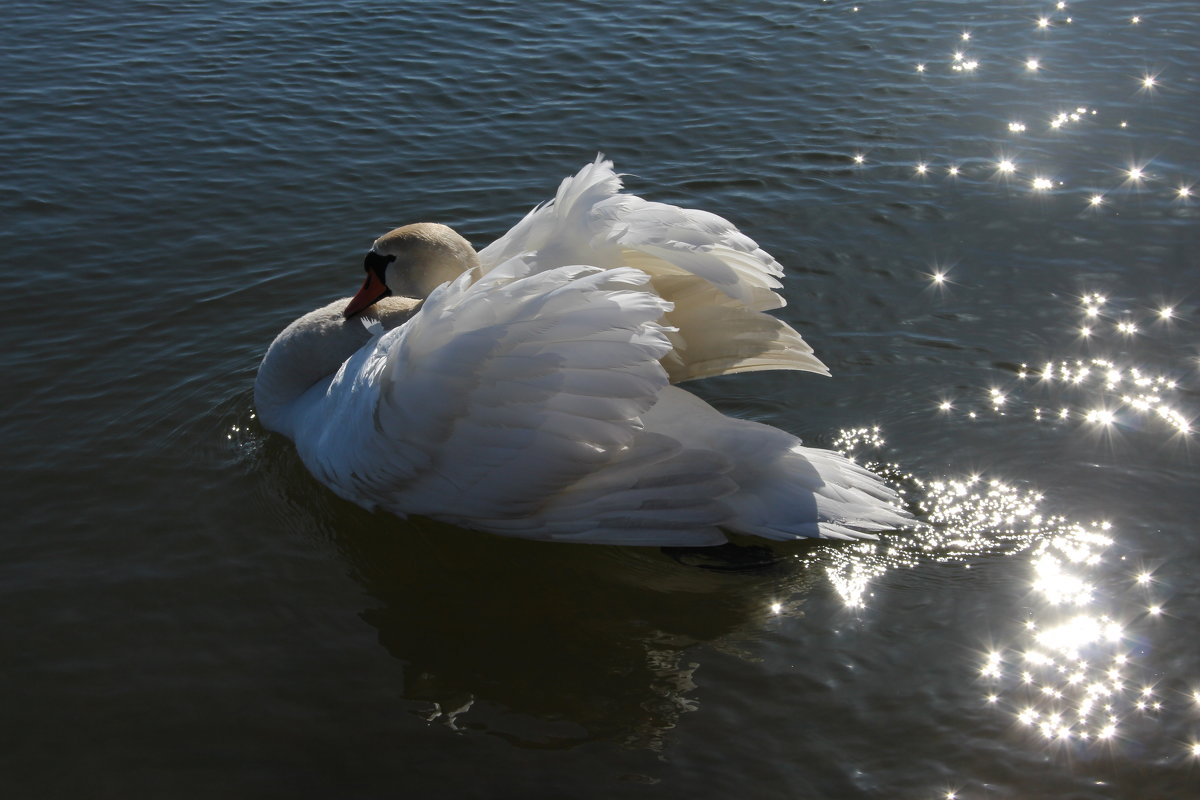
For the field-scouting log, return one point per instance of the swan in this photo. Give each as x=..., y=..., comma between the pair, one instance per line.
x=529, y=389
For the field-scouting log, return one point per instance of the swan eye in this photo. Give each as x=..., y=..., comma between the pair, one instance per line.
x=376, y=263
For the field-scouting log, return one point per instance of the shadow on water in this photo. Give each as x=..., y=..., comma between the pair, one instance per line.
x=545, y=645
x=579, y=643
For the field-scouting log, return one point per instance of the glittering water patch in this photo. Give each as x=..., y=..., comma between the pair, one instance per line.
x=1098, y=392
x=1072, y=670
x=1032, y=71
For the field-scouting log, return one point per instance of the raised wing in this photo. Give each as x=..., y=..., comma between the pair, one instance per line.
x=718, y=280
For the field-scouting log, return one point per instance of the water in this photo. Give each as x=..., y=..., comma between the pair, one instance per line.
x=188, y=613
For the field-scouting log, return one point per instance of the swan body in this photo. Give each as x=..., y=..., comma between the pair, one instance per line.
x=528, y=390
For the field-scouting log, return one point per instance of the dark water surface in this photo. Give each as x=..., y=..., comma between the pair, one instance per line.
x=188, y=614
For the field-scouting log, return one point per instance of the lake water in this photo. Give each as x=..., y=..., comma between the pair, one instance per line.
x=188, y=614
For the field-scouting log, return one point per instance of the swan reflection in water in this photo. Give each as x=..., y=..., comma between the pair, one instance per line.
x=545, y=645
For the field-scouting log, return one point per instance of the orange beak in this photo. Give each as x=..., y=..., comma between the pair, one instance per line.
x=373, y=290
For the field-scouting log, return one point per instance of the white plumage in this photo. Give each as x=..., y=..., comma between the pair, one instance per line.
x=527, y=390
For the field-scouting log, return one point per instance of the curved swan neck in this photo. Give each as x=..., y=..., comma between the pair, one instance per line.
x=313, y=348
x=305, y=352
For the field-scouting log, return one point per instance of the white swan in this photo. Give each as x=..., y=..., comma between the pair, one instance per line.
x=527, y=390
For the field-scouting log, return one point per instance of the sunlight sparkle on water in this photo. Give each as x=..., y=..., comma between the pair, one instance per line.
x=1065, y=673
x=961, y=61
x=1070, y=637
x=1069, y=690
x=1110, y=393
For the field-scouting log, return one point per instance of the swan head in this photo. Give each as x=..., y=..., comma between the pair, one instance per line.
x=412, y=261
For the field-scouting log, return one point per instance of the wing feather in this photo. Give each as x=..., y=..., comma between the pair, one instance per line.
x=717, y=278
x=501, y=394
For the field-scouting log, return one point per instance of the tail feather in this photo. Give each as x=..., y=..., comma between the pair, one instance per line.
x=784, y=490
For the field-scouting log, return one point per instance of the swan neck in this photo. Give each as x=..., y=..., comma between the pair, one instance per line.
x=309, y=350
